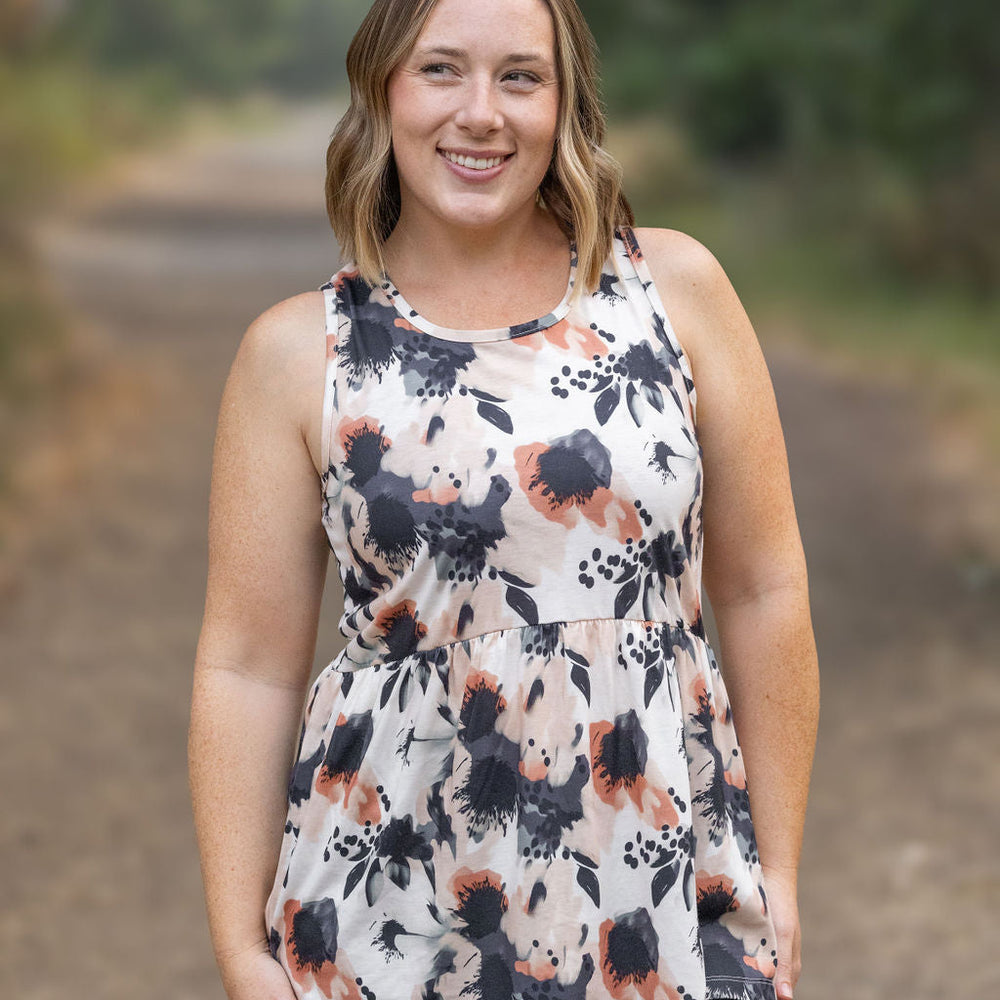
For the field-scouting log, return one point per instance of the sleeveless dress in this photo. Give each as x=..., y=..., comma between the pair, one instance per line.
x=520, y=778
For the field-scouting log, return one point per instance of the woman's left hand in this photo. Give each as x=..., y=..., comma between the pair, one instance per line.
x=781, y=888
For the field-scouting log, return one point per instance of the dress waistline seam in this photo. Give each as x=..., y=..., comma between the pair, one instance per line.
x=692, y=628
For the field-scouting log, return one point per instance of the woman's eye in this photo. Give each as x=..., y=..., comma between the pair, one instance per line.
x=522, y=78
x=435, y=69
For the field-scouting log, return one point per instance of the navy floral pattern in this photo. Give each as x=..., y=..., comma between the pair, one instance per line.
x=520, y=778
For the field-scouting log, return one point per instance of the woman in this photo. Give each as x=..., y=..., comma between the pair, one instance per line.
x=521, y=776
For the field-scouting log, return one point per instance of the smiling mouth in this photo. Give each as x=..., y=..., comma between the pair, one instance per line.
x=475, y=163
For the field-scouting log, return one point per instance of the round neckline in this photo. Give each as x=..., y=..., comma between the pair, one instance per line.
x=424, y=325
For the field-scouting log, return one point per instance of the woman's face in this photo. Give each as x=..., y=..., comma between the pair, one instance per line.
x=474, y=110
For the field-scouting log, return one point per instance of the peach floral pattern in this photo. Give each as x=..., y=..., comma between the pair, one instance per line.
x=520, y=778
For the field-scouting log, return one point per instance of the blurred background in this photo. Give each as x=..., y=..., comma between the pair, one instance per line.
x=161, y=184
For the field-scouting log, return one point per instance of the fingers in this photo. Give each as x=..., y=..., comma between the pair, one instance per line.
x=789, y=963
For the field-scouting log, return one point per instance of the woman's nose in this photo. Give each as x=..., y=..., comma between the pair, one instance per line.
x=479, y=111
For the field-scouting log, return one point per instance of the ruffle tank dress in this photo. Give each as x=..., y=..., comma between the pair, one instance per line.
x=520, y=778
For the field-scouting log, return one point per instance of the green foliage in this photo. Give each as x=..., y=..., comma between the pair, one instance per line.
x=907, y=76
x=879, y=108
x=291, y=45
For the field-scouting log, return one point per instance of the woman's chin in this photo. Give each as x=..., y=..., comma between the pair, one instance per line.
x=474, y=213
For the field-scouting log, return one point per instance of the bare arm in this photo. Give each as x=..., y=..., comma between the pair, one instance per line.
x=267, y=563
x=754, y=566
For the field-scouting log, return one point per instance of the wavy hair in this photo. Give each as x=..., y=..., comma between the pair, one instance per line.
x=582, y=188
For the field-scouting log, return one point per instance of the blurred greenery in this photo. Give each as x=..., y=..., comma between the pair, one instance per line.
x=296, y=46
x=842, y=161
x=876, y=112
x=82, y=82
x=840, y=157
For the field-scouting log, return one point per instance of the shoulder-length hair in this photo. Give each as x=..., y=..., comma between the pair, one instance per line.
x=583, y=186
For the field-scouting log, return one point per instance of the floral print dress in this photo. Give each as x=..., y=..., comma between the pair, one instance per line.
x=520, y=778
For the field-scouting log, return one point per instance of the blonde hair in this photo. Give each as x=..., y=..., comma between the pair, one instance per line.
x=582, y=188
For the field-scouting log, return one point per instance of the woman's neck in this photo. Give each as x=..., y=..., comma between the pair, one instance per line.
x=431, y=250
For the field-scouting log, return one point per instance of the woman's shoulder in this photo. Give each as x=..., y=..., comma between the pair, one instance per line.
x=290, y=324
x=281, y=360
x=675, y=257
x=702, y=305
x=285, y=340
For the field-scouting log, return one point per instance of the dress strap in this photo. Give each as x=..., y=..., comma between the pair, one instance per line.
x=330, y=383
x=663, y=327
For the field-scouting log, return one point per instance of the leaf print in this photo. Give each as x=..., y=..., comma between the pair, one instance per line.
x=422, y=671
x=659, y=328
x=523, y=605
x=345, y=687
x=437, y=811
x=428, y=866
x=353, y=877
x=654, y=677
x=687, y=536
x=575, y=657
x=581, y=679
x=588, y=882
x=626, y=598
x=398, y=872
x=387, y=687
x=404, y=690
x=676, y=398
x=435, y=425
x=373, y=884
x=653, y=396
x=496, y=416
x=538, y=894
x=537, y=690
x=582, y=859
x=606, y=404
x=631, y=398
x=440, y=660
x=488, y=397
x=668, y=556
x=361, y=853
x=663, y=881
x=511, y=578
x=465, y=616
x=689, y=885
x=664, y=858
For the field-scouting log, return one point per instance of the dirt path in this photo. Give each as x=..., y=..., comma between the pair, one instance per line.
x=102, y=898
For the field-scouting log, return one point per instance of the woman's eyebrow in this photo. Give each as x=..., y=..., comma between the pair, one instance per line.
x=514, y=57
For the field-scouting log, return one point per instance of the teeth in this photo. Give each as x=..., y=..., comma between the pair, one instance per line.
x=474, y=164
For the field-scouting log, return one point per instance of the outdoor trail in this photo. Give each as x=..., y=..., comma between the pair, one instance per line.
x=900, y=876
